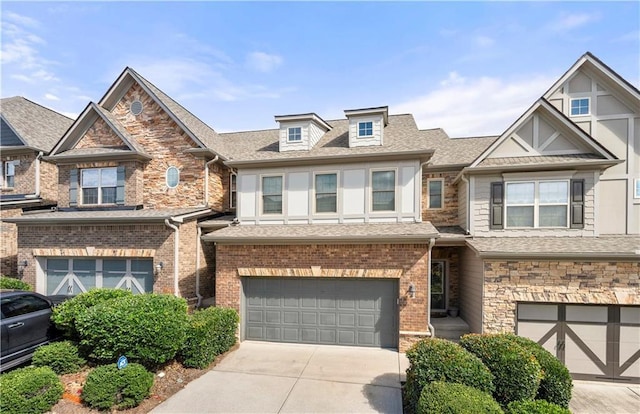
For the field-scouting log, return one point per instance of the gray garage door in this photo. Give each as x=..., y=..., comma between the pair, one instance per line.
x=322, y=311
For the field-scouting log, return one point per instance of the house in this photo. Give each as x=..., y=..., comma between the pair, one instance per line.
x=364, y=230
x=28, y=132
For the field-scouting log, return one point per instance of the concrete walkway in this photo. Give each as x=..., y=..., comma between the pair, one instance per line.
x=261, y=377
x=604, y=398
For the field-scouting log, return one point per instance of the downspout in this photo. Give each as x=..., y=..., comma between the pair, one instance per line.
x=37, y=189
x=432, y=330
x=198, y=248
x=468, y=206
x=206, y=179
x=176, y=242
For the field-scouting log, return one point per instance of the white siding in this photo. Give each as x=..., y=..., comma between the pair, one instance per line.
x=408, y=189
x=315, y=133
x=354, y=190
x=378, y=131
x=471, y=286
x=247, y=198
x=462, y=204
x=302, y=145
x=298, y=194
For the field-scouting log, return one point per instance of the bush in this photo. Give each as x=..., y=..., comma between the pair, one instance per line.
x=556, y=383
x=29, y=390
x=109, y=387
x=451, y=398
x=441, y=360
x=535, y=407
x=210, y=332
x=61, y=357
x=149, y=329
x=13, y=283
x=516, y=371
x=65, y=315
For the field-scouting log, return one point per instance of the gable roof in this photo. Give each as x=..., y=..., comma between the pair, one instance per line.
x=458, y=152
x=34, y=125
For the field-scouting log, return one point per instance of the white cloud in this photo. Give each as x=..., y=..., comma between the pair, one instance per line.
x=20, y=19
x=475, y=106
x=263, y=62
x=573, y=21
x=51, y=97
x=484, y=41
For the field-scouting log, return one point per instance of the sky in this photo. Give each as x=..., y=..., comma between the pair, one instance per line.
x=470, y=68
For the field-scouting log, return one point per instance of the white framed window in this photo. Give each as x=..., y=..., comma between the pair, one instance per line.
x=436, y=190
x=365, y=129
x=9, y=174
x=326, y=192
x=636, y=186
x=172, y=177
x=272, y=194
x=98, y=185
x=294, y=134
x=233, y=191
x=383, y=190
x=579, y=106
x=537, y=204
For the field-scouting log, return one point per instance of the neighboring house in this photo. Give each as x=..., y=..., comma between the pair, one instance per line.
x=28, y=131
x=135, y=173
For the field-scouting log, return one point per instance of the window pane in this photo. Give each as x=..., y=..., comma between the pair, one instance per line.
x=553, y=216
x=520, y=193
x=272, y=185
x=326, y=203
x=142, y=270
x=85, y=271
x=57, y=269
x=11, y=168
x=272, y=204
x=109, y=177
x=173, y=177
x=365, y=129
x=520, y=216
x=383, y=201
x=326, y=183
x=90, y=196
x=384, y=180
x=554, y=192
x=109, y=195
x=90, y=178
x=295, y=134
x=435, y=194
x=113, y=270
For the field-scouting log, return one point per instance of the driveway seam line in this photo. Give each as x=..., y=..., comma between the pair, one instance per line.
x=297, y=379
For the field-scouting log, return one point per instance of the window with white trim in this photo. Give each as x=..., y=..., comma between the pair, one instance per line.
x=365, y=129
x=272, y=195
x=172, y=177
x=294, y=134
x=326, y=189
x=579, y=106
x=9, y=174
x=383, y=191
x=435, y=188
x=233, y=193
x=537, y=204
x=99, y=185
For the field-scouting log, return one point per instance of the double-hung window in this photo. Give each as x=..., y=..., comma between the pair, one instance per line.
x=383, y=190
x=365, y=129
x=435, y=193
x=272, y=195
x=580, y=106
x=99, y=185
x=537, y=204
x=326, y=193
x=294, y=134
x=9, y=174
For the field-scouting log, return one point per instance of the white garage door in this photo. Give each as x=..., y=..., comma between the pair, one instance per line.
x=66, y=276
x=595, y=342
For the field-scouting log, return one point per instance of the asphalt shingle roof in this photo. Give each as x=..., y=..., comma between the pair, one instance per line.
x=541, y=159
x=96, y=216
x=459, y=151
x=39, y=127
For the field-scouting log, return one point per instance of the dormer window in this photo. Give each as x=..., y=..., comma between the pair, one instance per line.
x=365, y=129
x=294, y=134
x=580, y=106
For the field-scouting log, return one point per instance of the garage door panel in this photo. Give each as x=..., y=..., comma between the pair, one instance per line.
x=309, y=335
x=309, y=318
x=327, y=303
x=536, y=331
x=327, y=336
x=309, y=303
x=366, y=321
x=347, y=319
x=347, y=337
x=290, y=335
x=327, y=319
x=291, y=303
x=366, y=338
x=272, y=317
x=291, y=317
x=629, y=337
x=255, y=316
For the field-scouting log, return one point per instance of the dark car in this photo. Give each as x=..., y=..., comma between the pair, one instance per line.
x=26, y=325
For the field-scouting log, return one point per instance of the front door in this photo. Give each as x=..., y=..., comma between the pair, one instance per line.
x=438, y=286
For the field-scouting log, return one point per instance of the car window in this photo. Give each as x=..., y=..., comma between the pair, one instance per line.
x=20, y=305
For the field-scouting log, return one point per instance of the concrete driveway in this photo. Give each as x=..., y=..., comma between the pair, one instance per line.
x=262, y=377
x=605, y=398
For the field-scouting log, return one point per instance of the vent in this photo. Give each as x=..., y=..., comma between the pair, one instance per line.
x=136, y=107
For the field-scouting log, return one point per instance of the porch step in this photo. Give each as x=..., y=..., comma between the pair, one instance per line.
x=450, y=328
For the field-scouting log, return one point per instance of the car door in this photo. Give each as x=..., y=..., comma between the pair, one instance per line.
x=26, y=319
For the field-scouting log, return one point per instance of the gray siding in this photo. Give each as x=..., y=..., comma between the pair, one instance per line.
x=471, y=274
x=8, y=138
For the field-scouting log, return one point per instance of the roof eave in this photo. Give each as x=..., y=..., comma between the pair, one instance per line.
x=61, y=158
x=582, y=165
x=280, y=240
x=557, y=255
x=20, y=149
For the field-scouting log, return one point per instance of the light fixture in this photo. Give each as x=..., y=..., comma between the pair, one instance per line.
x=159, y=268
x=412, y=291
x=21, y=265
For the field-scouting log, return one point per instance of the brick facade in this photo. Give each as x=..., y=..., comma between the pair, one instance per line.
x=407, y=263
x=9, y=243
x=448, y=214
x=509, y=282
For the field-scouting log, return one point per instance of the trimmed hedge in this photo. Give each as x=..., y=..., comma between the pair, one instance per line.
x=29, y=390
x=210, y=332
x=452, y=398
x=149, y=329
x=556, y=384
x=441, y=360
x=535, y=407
x=109, y=387
x=516, y=371
x=7, y=282
x=61, y=357
x=65, y=315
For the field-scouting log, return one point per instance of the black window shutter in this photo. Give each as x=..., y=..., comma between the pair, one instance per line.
x=120, y=185
x=497, y=205
x=577, y=204
x=73, y=187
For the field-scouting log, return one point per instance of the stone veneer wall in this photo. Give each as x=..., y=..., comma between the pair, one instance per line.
x=407, y=263
x=509, y=282
x=448, y=214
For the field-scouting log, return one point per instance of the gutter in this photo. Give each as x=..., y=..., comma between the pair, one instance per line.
x=432, y=329
x=176, y=262
x=284, y=240
x=206, y=179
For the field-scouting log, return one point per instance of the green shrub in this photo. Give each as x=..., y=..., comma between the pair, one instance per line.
x=452, y=398
x=210, y=332
x=516, y=371
x=149, y=329
x=13, y=283
x=441, y=360
x=61, y=357
x=556, y=383
x=29, y=390
x=65, y=315
x=109, y=387
x=535, y=407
